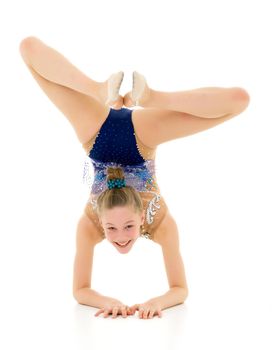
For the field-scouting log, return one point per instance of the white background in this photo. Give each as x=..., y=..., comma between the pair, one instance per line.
x=222, y=185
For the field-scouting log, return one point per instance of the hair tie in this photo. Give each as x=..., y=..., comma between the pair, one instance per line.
x=117, y=182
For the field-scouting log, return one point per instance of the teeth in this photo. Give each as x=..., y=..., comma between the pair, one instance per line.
x=123, y=243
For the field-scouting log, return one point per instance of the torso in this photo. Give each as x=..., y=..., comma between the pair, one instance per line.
x=145, y=151
x=153, y=202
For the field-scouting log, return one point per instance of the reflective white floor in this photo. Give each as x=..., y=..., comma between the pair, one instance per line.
x=231, y=305
x=205, y=322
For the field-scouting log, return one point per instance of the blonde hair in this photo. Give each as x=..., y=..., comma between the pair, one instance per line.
x=124, y=196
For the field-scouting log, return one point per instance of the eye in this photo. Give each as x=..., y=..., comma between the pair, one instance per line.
x=112, y=228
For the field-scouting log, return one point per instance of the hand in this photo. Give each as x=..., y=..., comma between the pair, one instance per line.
x=147, y=310
x=114, y=307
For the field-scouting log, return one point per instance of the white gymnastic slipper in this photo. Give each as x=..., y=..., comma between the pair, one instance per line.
x=138, y=87
x=114, y=84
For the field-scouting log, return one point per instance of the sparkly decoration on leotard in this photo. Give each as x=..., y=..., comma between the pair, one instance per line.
x=145, y=233
x=150, y=212
x=140, y=176
x=150, y=185
x=88, y=172
x=117, y=145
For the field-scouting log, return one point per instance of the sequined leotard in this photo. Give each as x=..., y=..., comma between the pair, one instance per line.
x=116, y=144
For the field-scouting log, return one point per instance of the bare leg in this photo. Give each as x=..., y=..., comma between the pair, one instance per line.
x=207, y=102
x=55, y=67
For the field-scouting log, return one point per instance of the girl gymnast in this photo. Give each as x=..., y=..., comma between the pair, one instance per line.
x=125, y=201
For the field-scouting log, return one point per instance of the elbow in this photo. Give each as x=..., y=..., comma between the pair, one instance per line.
x=183, y=297
x=76, y=295
x=183, y=293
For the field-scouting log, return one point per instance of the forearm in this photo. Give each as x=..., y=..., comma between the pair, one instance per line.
x=90, y=297
x=207, y=102
x=173, y=297
x=54, y=67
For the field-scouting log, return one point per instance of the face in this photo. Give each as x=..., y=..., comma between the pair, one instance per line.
x=122, y=226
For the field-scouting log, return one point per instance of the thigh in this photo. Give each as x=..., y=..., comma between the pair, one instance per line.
x=170, y=125
x=85, y=113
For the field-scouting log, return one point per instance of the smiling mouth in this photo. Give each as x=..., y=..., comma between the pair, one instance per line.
x=122, y=245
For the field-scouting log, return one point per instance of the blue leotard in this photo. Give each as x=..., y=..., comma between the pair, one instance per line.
x=115, y=145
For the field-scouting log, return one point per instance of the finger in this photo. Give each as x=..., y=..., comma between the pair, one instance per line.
x=141, y=311
x=145, y=313
x=159, y=313
x=132, y=309
x=123, y=310
x=99, y=312
x=128, y=310
x=151, y=313
x=106, y=313
x=115, y=311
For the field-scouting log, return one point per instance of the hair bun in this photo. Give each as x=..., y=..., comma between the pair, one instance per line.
x=121, y=195
x=115, y=178
x=115, y=173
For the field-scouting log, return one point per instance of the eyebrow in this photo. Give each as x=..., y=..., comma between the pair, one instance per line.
x=125, y=222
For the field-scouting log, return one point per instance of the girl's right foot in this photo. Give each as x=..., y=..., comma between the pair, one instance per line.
x=140, y=93
x=109, y=90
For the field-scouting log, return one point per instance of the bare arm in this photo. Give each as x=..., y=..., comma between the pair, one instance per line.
x=168, y=237
x=174, y=296
x=54, y=67
x=90, y=297
x=87, y=238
